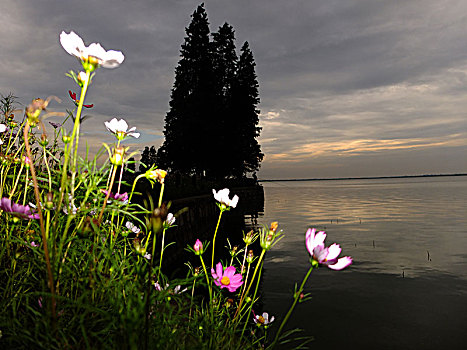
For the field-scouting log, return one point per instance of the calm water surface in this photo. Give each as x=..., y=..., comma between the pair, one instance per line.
x=407, y=288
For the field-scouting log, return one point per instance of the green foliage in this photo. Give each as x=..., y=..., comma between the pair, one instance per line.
x=81, y=263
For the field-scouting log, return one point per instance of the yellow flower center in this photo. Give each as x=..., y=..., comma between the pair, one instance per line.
x=225, y=281
x=260, y=319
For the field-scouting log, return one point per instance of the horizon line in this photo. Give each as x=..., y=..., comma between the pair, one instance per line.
x=364, y=177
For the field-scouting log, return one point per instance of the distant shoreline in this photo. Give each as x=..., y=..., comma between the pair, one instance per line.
x=364, y=178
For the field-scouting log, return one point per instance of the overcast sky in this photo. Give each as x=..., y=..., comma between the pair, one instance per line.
x=348, y=88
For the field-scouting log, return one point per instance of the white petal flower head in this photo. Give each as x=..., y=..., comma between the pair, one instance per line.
x=222, y=196
x=120, y=129
x=94, y=54
x=263, y=320
x=170, y=219
x=129, y=225
x=3, y=128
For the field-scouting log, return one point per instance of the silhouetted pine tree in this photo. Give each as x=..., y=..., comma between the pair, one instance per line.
x=190, y=125
x=148, y=158
x=247, y=155
x=212, y=125
x=224, y=67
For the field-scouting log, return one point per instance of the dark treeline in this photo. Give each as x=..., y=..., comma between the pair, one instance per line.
x=211, y=129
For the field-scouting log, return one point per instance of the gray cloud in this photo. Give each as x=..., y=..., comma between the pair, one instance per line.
x=348, y=88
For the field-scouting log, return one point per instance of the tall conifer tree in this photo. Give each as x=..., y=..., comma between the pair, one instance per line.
x=225, y=68
x=212, y=126
x=188, y=124
x=244, y=101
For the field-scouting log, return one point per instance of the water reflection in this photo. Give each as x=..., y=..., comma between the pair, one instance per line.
x=407, y=286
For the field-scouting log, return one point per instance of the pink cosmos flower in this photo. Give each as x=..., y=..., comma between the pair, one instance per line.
x=226, y=278
x=325, y=255
x=122, y=197
x=18, y=210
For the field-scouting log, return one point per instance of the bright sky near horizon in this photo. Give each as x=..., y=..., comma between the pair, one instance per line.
x=348, y=88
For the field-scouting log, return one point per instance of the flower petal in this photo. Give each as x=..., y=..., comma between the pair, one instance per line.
x=234, y=201
x=320, y=253
x=333, y=251
x=229, y=271
x=72, y=43
x=341, y=263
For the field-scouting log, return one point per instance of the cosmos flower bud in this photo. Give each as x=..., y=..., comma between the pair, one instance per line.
x=233, y=251
x=66, y=138
x=248, y=238
x=156, y=175
x=49, y=203
x=27, y=162
x=43, y=142
x=274, y=226
x=250, y=257
x=81, y=78
x=117, y=157
x=198, y=247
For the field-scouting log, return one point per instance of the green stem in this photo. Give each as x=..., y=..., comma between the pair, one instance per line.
x=41, y=221
x=254, y=299
x=214, y=239
x=48, y=168
x=289, y=313
x=161, y=194
x=191, y=300
x=108, y=195
x=251, y=282
x=16, y=182
x=74, y=134
x=78, y=117
x=162, y=253
x=207, y=280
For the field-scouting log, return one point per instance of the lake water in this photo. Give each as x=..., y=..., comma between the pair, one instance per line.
x=407, y=288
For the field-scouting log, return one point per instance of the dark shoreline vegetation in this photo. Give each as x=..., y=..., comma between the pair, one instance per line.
x=365, y=177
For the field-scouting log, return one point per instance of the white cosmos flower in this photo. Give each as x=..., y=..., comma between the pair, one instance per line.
x=129, y=225
x=120, y=129
x=170, y=219
x=74, y=45
x=263, y=320
x=222, y=196
x=3, y=128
